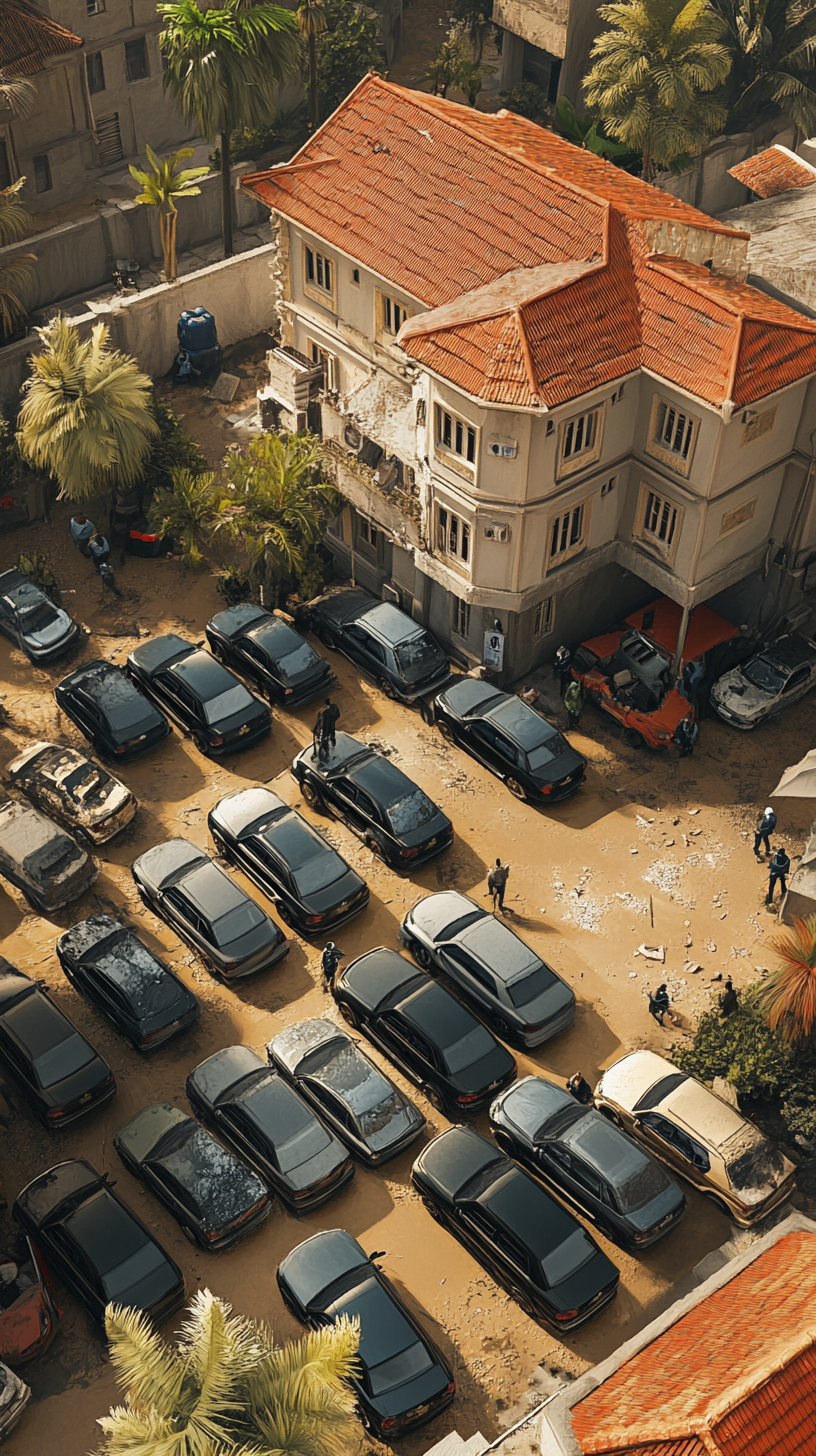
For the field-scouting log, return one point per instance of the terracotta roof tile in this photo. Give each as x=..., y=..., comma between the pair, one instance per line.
x=691, y=1447
x=736, y=1372
x=454, y=206
x=773, y=171
x=28, y=38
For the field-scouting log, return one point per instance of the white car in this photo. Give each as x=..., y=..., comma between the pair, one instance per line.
x=767, y=683
x=73, y=791
x=14, y=1397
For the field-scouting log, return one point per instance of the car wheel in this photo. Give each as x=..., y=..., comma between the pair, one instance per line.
x=188, y=1234
x=445, y=729
x=375, y=847
x=285, y=914
x=504, y=1142
x=523, y=1300
x=311, y=794
x=435, y=1098
x=516, y=789
x=386, y=687
x=501, y=1028
x=422, y=956
x=201, y=744
x=327, y=638
x=633, y=739
x=349, y=1015
x=719, y=1203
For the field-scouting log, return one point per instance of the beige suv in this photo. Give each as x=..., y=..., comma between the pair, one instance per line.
x=696, y=1133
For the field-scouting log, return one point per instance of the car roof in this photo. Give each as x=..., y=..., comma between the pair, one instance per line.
x=346, y=604
x=296, y=841
x=237, y=619
x=524, y=1208
x=316, y=1264
x=87, y=934
x=470, y=694
x=522, y=723
x=54, y=761
x=504, y=952
x=12, y=578
x=375, y=976
x=385, y=1329
x=38, y=1025
x=438, y=1014
x=220, y=1183
x=457, y=1155
x=790, y=652
x=277, y=638
x=24, y=830
x=703, y=1113
x=212, y=891
x=630, y=1079
x=392, y=625
x=381, y=778
x=339, y=755
x=206, y=676
x=106, y=1230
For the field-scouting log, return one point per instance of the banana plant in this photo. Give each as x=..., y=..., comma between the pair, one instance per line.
x=160, y=186
x=583, y=131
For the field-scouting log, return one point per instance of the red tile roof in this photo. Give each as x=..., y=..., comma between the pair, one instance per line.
x=454, y=207
x=735, y=1376
x=773, y=171
x=28, y=38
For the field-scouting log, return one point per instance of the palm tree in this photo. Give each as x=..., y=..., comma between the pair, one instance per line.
x=224, y=67
x=226, y=1389
x=86, y=415
x=773, y=51
x=787, y=996
x=17, y=274
x=312, y=22
x=160, y=186
x=17, y=94
x=653, y=72
x=282, y=501
x=191, y=511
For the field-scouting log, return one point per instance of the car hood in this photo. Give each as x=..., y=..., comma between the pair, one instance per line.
x=734, y=692
x=54, y=632
x=593, y=1276
x=439, y=823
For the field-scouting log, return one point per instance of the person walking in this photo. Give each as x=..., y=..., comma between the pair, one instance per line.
x=765, y=828
x=81, y=532
x=329, y=962
x=780, y=869
x=574, y=702
x=729, y=1000
x=579, y=1088
x=497, y=883
x=686, y=734
x=331, y=713
x=659, y=1004
x=320, y=746
x=99, y=549
x=561, y=665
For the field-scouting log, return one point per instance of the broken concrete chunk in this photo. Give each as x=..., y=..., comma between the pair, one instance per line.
x=652, y=952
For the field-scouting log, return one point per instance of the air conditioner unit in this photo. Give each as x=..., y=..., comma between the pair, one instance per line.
x=502, y=448
x=497, y=533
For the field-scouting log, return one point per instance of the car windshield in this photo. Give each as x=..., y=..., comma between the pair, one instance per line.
x=399, y=1369
x=237, y=922
x=756, y=1169
x=294, y=663
x=146, y=1260
x=411, y=812
x=570, y=1256
x=63, y=1060
x=85, y=782
x=38, y=617
x=469, y=1049
x=528, y=988
x=764, y=675
x=419, y=655
x=234, y=700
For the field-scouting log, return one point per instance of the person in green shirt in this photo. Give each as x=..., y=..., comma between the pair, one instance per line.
x=574, y=702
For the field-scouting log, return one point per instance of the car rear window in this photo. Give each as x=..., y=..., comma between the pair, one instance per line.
x=411, y=812
x=528, y=988
x=234, y=700
x=399, y=1369
x=237, y=922
x=62, y=1061
x=567, y=1258
x=138, y=1266
x=449, y=932
x=468, y=1049
x=419, y=655
x=87, y=782
x=539, y=757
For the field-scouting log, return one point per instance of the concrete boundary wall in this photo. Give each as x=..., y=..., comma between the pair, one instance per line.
x=237, y=291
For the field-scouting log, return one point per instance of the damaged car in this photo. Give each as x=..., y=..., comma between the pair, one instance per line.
x=31, y=620
x=44, y=862
x=73, y=791
x=14, y=1397
x=29, y=1317
x=767, y=683
x=699, y=1135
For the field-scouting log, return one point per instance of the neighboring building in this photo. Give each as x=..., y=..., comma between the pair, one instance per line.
x=782, y=224
x=550, y=393
x=100, y=94
x=548, y=42
x=730, y=1370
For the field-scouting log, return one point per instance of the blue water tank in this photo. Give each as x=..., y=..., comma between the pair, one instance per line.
x=196, y=331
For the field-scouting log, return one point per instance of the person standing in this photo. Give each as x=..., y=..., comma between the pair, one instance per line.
x=574, y=702
x=765, y=828
x=780, y=869
x=81, y=532
x=497, y=883
x=561, y=665
x=579, y=1088
x=329, y=961
x=729, y=1000
x=686, y=734
x=319, y=743
x=659, y=1003
x=330, y=715
x=99, y=549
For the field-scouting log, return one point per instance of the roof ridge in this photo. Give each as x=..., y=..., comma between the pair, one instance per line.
x=757, y=1375
x=526, y=352
x=665, y=263
x=430, y=322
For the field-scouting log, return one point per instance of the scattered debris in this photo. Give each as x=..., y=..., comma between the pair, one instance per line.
x=652, y=952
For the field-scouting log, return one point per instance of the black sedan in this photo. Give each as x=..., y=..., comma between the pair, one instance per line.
x=394, y=817
x=114, y=716
x=511, y=739
x=424, y=1030
x=265, y=1120
x=365, y=1109
x=403, y=659
x=124, y=980
x=97, y=1244
x=495, y=969
x=202, y=696
x=58, y=1072
x=270, y=652
x=31, y=620
x=404, y=1381
x=587, y=1161
x=208, y=910
x=545, y=1259
x=215, y=1198
x=310, y=884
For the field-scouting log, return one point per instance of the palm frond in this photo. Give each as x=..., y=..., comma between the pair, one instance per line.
x=148, y=1368
x=787, y=996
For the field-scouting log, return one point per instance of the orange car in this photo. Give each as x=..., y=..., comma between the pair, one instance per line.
x=28, y=1313
x=629, y=673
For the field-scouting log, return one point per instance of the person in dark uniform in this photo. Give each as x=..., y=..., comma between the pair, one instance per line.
x=780, y=869
x=579, y=1088
x=330, y=715
x=329, y=961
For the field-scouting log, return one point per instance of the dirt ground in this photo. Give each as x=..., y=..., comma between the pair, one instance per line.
x=648, y=836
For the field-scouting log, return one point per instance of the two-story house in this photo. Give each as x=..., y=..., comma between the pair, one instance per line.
x=548, y=388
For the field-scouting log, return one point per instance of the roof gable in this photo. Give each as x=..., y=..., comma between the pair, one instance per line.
x=773, y=171
x=28, y=38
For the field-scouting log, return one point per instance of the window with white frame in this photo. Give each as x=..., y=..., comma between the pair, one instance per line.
x=659, y=520
x=455, y=435
x=672, y=435
x=544, y=617
x=579, y=440
x=461, y=617
x=452, y=534
x=568, y=533
x=391, y=314
x=329, y=363
x=318, y=271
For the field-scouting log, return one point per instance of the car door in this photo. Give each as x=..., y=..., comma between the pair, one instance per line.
x=484, y=741
x=578, y=1184
x=181, y=914
x=676, y=1147
x=368, y=651
x=256, y=664
x=76, y=1269
x=241, y=1131
x=8, y=620
x=404, y=1045
x=172, y=1193
x=474, y=978
x=482, y=1233
x=168, y=690
x=330, y=1106
x=19, y=1063
x=353, y=804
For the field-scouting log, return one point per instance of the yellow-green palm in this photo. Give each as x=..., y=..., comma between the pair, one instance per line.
x=653, y=71
x=226, y=1390
x=281, y=499
x=86, y=414
x=191, y=511
x=16, y=275
x=159, y=188
x=787, y=996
